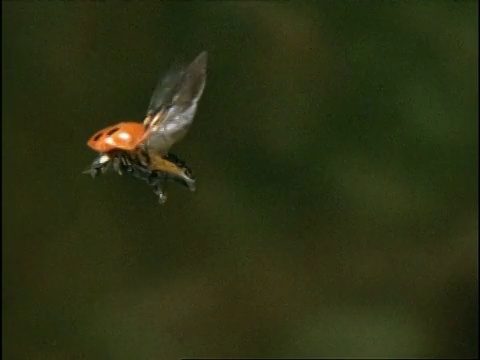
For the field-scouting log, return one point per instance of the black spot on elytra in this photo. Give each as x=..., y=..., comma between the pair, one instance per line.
x=113, y=131
x=98, y=136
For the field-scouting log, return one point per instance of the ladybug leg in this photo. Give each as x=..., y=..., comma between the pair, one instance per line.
x=127, y=164
x=117, y=165
x=162, y=197
x=121, y=163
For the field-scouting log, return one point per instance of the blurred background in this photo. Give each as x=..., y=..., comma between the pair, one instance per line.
x=336, y=155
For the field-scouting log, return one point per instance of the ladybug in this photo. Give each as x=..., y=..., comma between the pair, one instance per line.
x=142, y=149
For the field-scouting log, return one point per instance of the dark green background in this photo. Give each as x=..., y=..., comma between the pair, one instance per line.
x=335, y=149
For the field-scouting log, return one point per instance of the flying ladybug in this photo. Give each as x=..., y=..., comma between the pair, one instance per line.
x=142, y=149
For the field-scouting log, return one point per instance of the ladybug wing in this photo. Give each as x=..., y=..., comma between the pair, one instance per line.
x=165, y=90
x=173, y=105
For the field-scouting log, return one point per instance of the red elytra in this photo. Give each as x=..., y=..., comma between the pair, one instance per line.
x=123, y=136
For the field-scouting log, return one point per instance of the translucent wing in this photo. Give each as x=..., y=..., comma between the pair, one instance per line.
x=165, y=90
x=173, y=105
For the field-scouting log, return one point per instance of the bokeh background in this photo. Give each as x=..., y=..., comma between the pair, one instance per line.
x=336, y=152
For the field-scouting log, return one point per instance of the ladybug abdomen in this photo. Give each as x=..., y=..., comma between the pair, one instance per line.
x=123, y=136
